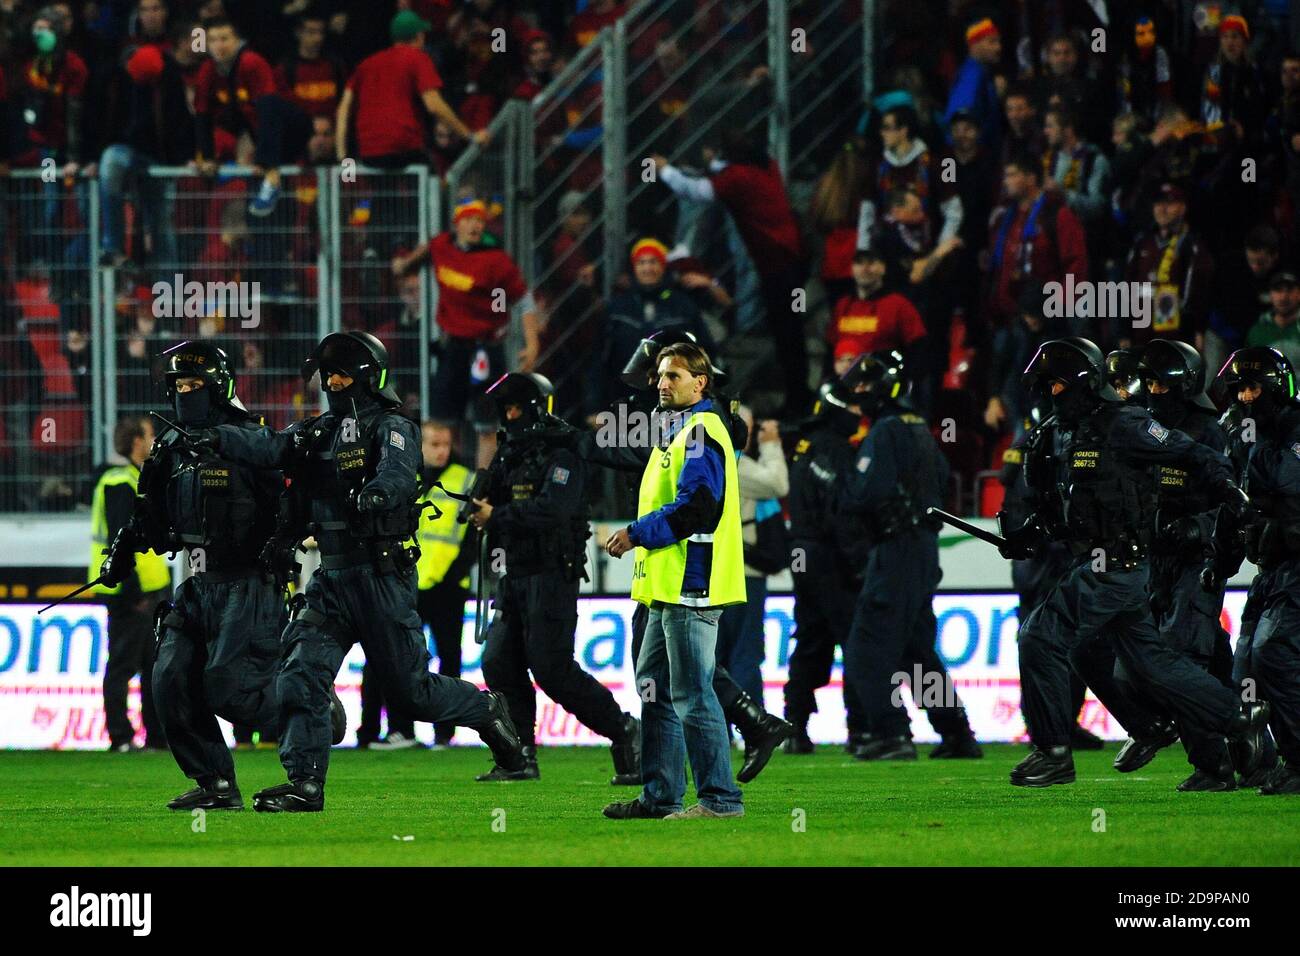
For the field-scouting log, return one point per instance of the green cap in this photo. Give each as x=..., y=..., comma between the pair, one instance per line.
x=407, y=24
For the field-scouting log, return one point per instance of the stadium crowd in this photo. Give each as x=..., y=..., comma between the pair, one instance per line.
x=1150, y=142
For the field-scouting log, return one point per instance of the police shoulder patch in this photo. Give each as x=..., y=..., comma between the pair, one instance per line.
x=396, y=440
x=1295, y=449
x=1011, y=456
x=1158, y=431
x=864, y=462
x=560, y=476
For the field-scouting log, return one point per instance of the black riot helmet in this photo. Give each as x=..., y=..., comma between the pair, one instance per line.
x=195, y=359
x=360, y=356
x=533, y=393
x=1079, y=365
x=832, y=407
x=876, y=381
x=1259, y=366
x=1122, y=371
x=642, y=366
x=1179, y=368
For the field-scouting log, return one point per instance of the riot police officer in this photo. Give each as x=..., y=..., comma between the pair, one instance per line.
x=535, y=512
x=1098, y=498
x=1124, y=372
x=761, y=731
x=1033, y=577
x=897, y=474
x=219, y=643
x=354, y=486
x=824, y=584
x=1262, y=385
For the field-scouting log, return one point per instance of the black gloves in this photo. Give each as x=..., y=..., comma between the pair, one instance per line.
x=1022, y=542
x=119, y=564
x=368, y=501
x=204, y=439
x=279, y=560
x=1181, y=533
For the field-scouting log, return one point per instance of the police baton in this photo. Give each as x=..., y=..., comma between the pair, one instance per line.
x=68, y=597
x=973, y=530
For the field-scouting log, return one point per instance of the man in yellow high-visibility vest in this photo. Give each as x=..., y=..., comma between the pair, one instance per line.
x=130, y=604
x=689, y=566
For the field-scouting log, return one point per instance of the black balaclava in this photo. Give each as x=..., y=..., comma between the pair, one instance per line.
x=1168, y=409
x=1074, y=404
x=195, y=408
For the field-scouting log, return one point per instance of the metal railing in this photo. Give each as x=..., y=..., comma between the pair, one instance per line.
x=84, y=309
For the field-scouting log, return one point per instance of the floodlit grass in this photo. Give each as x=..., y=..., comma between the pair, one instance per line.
x=825, y=809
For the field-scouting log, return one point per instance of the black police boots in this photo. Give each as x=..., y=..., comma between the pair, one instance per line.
x=798, y=742
x=1246, y=737
x=762, y=733
x=1043, y=768
x=894, y=747
x=1205, y=781
x=218, y=795
x=957, y=747
x=1137, y=752
x=499, y=773
x=338, y=719
x=502, y=739
x=1283, y=780
x=300, y=796
x=858, y=740
x=626, y=751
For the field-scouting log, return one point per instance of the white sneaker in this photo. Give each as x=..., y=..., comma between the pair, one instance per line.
x=700, y=810
x=395, y=741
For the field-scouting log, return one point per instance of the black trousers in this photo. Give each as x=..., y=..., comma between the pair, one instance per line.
x=1086, y=606
x=823, y=610
x=532, y=630
x=221, y=662
x=442, y=608
x=344, y=606
x=130, y=652
x=894, y=629
x=1268, y=653
x=728, y=691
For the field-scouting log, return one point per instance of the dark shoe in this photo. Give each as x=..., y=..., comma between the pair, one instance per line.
x=500, y=735
x=302, y=796
x=1246, y=735
x=858, y=741
x=338, y=720
x=1259, y=777
x=1283, y=781
x=499, y=773
x=1043, y=768
x=127, y=748
x=1081, y=739
x=798, y=742
x=897, y=747
x=1137, y=752
x=762, y=732
x=964, y=747
x=626, y=752
x=1203, y=781
x=219, y=795
x=633, y=810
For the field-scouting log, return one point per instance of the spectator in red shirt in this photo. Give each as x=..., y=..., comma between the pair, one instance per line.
x=388, y=91
x=1034, y=237
x=313, y=82
x=539, y=63
x=478, y=284
x=584, y=27
x=870, y=319
x=748, y=183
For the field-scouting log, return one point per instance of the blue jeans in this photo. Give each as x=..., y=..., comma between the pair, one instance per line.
x=157, y=199
x=683, y=719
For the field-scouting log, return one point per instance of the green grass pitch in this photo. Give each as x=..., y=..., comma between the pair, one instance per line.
x=87, y=809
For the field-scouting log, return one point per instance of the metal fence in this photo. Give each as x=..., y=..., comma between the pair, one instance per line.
x=95, y=286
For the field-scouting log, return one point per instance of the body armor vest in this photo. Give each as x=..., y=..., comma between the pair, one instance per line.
x=525, y=463
x=1180, y=494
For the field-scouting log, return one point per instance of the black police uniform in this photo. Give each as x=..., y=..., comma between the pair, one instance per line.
x=897, y=474
x=219, y=642
x=354, y=487
x=824, y=585
x=539, y=520
x=1098, y=497
x=1268, y=646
